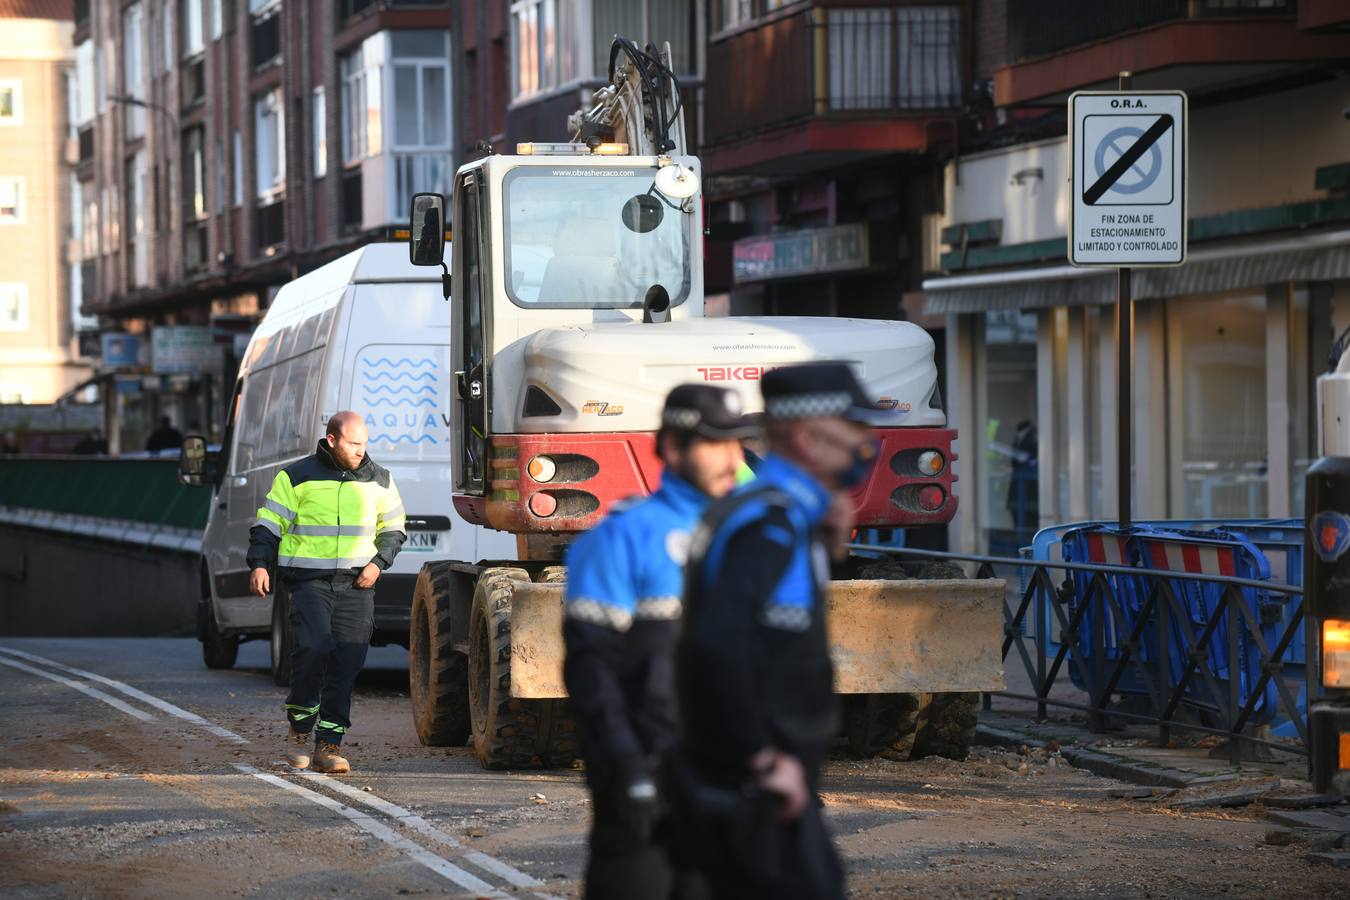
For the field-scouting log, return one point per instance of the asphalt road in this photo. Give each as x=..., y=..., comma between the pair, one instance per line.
x=127, y=769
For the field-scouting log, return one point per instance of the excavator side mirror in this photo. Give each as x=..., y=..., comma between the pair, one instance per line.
x=427, y=238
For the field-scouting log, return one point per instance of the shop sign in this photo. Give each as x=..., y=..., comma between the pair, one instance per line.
x=1129, y=178
x=815, y=251
x=185, y=350
x=121, y=350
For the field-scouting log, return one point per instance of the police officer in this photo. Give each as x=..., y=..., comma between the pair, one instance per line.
x=622, y=612
x=753, y=674
x=331, y=523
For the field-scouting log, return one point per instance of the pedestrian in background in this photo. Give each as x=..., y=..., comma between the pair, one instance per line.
x=165, y=437
x=754, y=679
x=622, y=613
x=331, y=523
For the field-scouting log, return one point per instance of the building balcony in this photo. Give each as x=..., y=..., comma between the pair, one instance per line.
x=377, y=193
x=1199, y=46
x=822, y=87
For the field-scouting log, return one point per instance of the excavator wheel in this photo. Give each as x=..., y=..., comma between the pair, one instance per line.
x=509, y=733
x=438, y=674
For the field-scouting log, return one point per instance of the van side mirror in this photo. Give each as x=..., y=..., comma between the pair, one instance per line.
x=427, y=232
x=194, y=463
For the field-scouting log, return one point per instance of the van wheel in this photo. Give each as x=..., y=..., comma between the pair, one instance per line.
x=283, y=638
x=219, y=650
x=438, y=674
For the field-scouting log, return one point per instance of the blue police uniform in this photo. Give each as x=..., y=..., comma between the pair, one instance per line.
x=622, y=612
x=753, y=671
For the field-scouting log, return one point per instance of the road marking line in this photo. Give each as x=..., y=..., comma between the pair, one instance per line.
x=403, y=816
x=82, y=688
x=371, y=826
x=411, y=820
x=148, y=699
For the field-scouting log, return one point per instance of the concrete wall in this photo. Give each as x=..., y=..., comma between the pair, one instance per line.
x=53, y=584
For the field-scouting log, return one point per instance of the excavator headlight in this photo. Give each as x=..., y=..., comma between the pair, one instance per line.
x=542, y=469
x=931, y=463
x=1336, y=653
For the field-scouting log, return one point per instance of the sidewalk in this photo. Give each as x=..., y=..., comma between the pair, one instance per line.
x=1193, y=772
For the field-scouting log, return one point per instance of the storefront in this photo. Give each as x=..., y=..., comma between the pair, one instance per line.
x=1228, y=347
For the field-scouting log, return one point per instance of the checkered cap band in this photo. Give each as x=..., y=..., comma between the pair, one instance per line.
x=808, y=406
x=681, y=418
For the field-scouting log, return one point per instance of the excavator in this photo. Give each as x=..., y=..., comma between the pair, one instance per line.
x=576, y=299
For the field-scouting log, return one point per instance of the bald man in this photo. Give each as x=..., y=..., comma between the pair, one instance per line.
x=331, y=523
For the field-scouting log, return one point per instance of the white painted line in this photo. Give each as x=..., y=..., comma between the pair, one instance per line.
x=404, y=817
x=415, y=822
x=82, y=688
x=148, y=699
x=379, y=830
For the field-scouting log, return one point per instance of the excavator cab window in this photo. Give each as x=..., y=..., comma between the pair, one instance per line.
x=592, y=238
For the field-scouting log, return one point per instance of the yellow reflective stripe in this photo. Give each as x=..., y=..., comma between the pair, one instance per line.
x=268, y=524
x=280, y=510
x=333, y=530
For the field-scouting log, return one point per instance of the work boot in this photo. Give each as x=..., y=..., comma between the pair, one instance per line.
x=297, y=749
x=328, y=759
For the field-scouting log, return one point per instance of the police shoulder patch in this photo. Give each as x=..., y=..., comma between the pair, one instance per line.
x=677, y=546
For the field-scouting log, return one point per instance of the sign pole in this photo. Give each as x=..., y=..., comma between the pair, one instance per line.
x=1124, y=382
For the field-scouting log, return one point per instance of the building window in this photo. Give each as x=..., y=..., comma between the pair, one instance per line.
x=78, y=320
x=237, y=160
x=319, y=112
x=132, y=60
x=894, y=58
x=421, y=89
x=545, y=46
x=138, y=250
x=269, y=144
x=12, y=207
x=190, y=27
x=217, y=18
x=361, y=105
x=89, y=224
x=84, y=79
x=166, y=38
x=194, y=175
x=11, y=101
x=13, y=306
x=265, y=34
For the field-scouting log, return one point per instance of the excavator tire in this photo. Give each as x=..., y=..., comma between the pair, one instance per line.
x=509, y=733
x=438, y=674
x=950, y=726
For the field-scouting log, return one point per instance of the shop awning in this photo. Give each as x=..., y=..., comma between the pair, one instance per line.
x=1313, y=257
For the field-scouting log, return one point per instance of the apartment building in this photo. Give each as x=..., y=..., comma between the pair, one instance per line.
x=39, y=292
x=223, y=147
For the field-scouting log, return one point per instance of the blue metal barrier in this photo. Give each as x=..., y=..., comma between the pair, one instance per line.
x=1232, y=652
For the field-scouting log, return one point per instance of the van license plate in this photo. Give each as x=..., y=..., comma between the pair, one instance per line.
x=422, y=542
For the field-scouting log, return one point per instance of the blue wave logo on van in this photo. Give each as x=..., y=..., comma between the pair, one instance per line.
x=400, y=396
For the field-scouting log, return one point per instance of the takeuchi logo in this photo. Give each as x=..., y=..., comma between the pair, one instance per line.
x=734, y=373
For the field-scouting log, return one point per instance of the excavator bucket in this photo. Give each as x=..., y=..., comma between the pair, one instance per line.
x=886, y=637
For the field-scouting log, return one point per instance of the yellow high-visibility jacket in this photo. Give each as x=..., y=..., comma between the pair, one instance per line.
x=319, y=519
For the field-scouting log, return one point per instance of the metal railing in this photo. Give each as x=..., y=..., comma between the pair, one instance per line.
x=1045, y=608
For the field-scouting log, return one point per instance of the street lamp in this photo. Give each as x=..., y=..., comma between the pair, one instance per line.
x=128, y=100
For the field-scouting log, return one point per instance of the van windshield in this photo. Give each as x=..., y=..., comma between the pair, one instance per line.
x=572, y=240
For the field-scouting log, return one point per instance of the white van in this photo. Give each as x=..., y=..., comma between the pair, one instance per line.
x=368, y=332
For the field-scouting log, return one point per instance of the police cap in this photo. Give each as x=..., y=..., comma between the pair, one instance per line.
x=820, y=390
x=710, y=412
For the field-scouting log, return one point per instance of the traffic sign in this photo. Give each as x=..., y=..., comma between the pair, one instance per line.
x=1128, y=150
